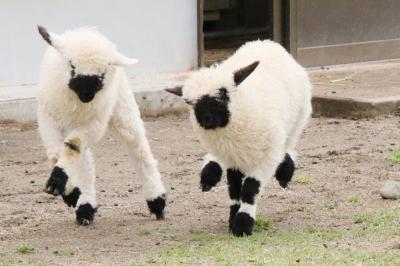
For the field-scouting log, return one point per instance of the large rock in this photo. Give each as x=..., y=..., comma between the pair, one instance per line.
x=391, y=190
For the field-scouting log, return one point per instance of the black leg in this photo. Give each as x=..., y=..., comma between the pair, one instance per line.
x=243, y=222
x=235, y=178
x=210, y=175
x=285, y=170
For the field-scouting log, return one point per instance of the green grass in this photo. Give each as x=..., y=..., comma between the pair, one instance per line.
x=305, y=179
x=64, y=253
x=394, y=157
x=25, y=249
x=262, y=225
x=353, y=199
x=4, y=262
x=309, y=246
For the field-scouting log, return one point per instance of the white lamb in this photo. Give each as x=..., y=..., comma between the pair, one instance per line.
x=249, y=112
x=84, y=90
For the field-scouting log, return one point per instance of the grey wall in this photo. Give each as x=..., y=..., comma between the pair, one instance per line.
x=162, y=34
x=344, y=31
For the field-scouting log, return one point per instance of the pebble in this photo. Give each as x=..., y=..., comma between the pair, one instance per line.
x=390, y=190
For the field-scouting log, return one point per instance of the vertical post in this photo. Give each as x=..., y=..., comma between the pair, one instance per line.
x=291, y=19
x=200, y=34
x=277, y=21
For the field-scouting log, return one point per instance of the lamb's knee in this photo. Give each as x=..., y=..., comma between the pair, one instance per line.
x=72, y=148
x=210, y=175
x=250, y=189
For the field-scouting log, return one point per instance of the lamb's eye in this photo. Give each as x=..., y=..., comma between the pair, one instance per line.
x=72, y=68
x=188, y=102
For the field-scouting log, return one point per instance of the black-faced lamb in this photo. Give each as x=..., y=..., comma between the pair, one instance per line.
x=249, y=112
x=83, y=91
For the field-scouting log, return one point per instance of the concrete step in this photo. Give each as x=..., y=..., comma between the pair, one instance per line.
x=348, y=91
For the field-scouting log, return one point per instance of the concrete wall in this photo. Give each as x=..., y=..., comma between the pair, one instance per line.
x=161, y=34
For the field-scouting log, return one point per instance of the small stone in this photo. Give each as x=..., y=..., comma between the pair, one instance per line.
x=390, y=190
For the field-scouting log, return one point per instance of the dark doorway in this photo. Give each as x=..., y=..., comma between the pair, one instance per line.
x=227, y=24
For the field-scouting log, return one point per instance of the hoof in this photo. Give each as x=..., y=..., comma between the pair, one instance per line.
x=233, y=210
x=210, y=176
x=72, y=198
x=56, y=183
x=85, y=214
x=242, y=224
x=157, y=206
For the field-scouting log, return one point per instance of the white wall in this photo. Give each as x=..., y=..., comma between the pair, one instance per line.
x=162, y=34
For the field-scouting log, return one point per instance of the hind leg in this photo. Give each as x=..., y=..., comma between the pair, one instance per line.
x=286, y=168
x=128, y=127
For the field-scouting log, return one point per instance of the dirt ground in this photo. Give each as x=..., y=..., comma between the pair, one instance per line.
x=343, y=158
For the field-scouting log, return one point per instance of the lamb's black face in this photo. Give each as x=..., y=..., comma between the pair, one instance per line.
x=212, y=111
x=85, y=86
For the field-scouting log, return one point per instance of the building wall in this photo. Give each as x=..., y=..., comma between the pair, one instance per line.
x=344, y=31
x=161, y=34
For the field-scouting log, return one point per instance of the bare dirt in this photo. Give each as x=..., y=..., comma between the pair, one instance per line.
x=365, y=80
x=343, y=158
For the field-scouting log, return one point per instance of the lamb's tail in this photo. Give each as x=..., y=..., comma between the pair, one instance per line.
x=285, y=170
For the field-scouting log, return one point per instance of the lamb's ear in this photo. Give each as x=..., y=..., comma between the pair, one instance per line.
x=177, y=90
x=244, y=72
x=50, y=38
x=122, y=60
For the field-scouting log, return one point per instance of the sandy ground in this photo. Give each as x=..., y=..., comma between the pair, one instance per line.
x=343, y=157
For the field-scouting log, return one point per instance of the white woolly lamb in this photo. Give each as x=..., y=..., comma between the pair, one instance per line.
x=249, y=112
x=84, y=90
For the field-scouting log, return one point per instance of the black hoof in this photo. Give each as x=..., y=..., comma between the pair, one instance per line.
x=156, y=206
x=72, y=198
x=85, y=214
x=234, y=209
x=56, y=183
x=242, y=224
x=210, y=175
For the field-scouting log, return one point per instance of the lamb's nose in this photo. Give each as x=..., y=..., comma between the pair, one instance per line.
x=208, y=120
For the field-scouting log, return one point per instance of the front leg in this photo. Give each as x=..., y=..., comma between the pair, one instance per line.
x=75, y=182
x=75, y=144
x=210, y=174
x=243, y=222
x=235, y=178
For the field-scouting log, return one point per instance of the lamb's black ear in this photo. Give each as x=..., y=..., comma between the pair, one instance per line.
x=44, y=33
x=177, y=90
x=243, y=73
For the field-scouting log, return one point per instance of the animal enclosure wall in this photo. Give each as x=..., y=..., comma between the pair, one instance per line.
x=343, y=31
x=161, y=34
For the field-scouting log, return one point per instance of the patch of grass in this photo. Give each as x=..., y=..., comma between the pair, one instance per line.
x=394, y=157
x=310, y=229
x=144, y=232
x=64, y=253
x=330, y=205
x=262, y=225
x=194, y=231
x=353, y=199
x=311, y=246
x=359, y=219
x=305, y=179
x=24, y=249
x=5, y=262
